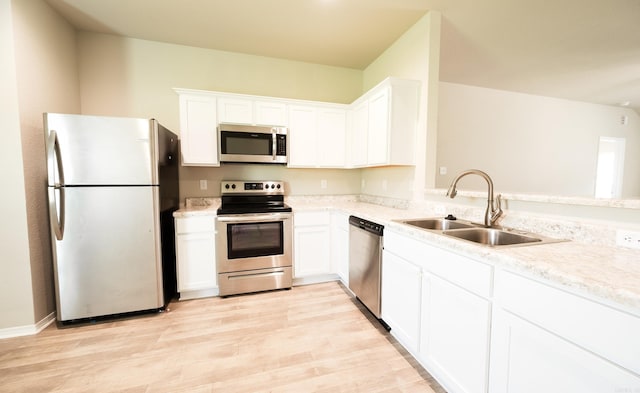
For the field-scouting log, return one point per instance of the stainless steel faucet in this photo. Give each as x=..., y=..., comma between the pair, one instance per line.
x=493, y=212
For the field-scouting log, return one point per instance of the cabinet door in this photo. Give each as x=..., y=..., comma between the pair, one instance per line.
x=455, y=335
x=331, y=137
x=340, y=245
x=401, y=288
x=528, y=359
x=271, y=113
x=312, y=250
x=302, y=136
x=378, y=138
x=359, y=135
x=235, y=110
x=196, y=258
x=198, y=130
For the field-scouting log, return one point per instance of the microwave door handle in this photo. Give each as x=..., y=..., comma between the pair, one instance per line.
x=274, y=143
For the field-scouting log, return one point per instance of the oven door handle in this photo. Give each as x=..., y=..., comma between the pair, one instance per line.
x=255, y=218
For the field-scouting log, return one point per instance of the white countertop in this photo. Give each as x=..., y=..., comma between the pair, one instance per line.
x=610, y=273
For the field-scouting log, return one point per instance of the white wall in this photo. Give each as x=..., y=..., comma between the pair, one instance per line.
x=38, y=73
x=297, y=181
x=530, y=144
x=415, y=55
x=47, y=77
x=131, y=77
x=16, y=303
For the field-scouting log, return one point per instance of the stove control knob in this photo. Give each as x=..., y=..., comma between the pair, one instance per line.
x=226, y=186
x=278, y=186
x=273, y=186
x=233, y=186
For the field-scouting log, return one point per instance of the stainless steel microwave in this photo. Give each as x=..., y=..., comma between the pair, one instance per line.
x=253, y=144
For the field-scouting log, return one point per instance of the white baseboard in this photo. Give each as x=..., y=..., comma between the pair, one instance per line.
x=315, y=279
x=199, y=293
x=28, y=330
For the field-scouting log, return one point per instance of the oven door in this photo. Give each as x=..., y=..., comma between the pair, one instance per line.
x=253, y=241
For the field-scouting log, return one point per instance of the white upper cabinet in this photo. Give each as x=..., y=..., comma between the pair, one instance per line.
x=389, y=128
x=270, y=113
x=359, y=134
x=198, y=130
x=331, y=137
x=302, y=135
x=235, y=110
x=378, y=137
x=317, y=136
x=378, y=129
x=248, y=110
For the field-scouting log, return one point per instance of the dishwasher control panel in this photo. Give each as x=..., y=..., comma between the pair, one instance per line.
x=367, y=225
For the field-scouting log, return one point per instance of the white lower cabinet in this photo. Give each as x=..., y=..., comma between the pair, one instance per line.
x=454, y=343
x=340, y=245
x=196, y=257
x=437, y=305
x=478, y=331
x=545, y=339
x=312, y=246
x=401, y=286
x=529, y=359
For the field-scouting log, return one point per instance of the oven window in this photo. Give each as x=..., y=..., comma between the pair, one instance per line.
x=245, y=143
x=248, y=240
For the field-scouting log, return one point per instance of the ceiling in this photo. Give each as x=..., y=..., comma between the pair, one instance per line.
x=585, y=50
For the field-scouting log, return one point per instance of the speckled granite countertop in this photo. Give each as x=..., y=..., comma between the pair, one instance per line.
x=610, y=273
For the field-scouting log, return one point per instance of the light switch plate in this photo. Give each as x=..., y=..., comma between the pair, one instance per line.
x=203, y=184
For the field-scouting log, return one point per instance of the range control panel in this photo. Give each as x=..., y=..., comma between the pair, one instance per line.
x=251, y=187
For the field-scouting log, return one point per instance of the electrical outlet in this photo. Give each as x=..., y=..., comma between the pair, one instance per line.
x=443, y=170
x=323, y=184
x=627, y=238
x=203, y=184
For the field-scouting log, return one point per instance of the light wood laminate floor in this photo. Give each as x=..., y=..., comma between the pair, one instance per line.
x=310, y=339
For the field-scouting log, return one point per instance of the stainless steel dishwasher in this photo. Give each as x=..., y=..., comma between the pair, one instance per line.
x=365, y=262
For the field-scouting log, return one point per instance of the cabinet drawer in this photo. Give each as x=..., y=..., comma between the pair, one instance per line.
x=608, y=332
x=311, y=218
x=466, y=272
x=472, y=275
x=195, y=224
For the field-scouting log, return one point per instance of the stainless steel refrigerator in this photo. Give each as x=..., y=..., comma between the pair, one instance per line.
x=112, y=189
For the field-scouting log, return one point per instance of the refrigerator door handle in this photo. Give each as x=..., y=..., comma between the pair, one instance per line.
x=55, y=161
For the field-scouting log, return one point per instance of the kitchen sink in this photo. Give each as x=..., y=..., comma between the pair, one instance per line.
x=493, y=236
x=439, y=224
x=476, y=233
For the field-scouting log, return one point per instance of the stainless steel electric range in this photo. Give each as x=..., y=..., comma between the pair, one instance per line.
x=254, y=237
